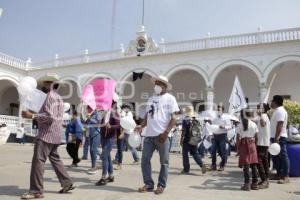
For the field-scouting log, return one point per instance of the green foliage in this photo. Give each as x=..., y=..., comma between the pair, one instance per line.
x=293, y=109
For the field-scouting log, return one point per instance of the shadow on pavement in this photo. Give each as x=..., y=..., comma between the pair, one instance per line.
x=11, y=190
x=107, y=188
x=75, y=179
x=297, y=193
x=225, y=181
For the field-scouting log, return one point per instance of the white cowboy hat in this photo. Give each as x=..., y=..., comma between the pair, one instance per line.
x=189, y=111
x=53, y=77
x=162, y=79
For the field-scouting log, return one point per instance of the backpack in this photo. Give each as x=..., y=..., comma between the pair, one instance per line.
x=196, y=132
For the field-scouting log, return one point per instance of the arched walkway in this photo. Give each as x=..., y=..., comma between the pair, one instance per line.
x=218, y=69
x=136, y=93
x=189, y=87
x=9, y=97
x=287, y=80
x=224, y=82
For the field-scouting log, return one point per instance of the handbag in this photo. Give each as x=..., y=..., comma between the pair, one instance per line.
x=71, y=138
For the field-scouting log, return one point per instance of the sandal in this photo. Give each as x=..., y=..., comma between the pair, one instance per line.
x=145, y=188
x=67, y=188
x=159, y=190
x=245, y=187
x=101, y=182
x=111, y=179
x=32, y=195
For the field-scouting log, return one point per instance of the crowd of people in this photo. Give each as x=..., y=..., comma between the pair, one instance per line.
x=102, y=128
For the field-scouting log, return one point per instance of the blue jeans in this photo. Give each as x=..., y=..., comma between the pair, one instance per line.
x=107, y=165
x=150, y=145
x=86, y=147
x=171, y=140
x=120, y=148
x=186, y=149
x=219, y=146
x=94, y=143
x=281, y=162
x=201, y=150
x=133, y=150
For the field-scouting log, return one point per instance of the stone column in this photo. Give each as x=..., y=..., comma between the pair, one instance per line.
x=263, y=89
x=210, y=98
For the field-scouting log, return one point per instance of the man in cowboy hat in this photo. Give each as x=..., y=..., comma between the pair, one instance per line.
x=187, y=146
x=160, y=119
x=50, y=121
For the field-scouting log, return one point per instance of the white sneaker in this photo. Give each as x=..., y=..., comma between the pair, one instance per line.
x=92, y=171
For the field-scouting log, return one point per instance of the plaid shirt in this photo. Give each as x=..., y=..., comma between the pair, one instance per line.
x=50, y=119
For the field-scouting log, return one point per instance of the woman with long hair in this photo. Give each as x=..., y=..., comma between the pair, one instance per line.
x=247, y=136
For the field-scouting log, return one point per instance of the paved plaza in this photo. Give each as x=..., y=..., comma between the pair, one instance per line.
x=16, y=161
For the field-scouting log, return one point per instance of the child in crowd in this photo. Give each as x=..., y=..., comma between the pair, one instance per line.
x=247, y=136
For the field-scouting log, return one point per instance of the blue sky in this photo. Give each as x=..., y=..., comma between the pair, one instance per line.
x=41, y=28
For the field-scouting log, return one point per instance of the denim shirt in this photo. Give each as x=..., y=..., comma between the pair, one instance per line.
x=93, y=124
x=74, y=127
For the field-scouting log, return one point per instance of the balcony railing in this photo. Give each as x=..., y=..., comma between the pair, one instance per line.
x=12, y=61
x=260, y=37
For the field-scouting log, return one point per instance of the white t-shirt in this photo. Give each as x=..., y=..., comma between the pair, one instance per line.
x=20, y=132
x=250, y=133
x=206, y=131
x=222, y=121
x=279, y=115
x=263, y=136
x=159, y=111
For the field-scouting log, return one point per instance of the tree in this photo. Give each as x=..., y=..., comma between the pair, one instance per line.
x=293, y=109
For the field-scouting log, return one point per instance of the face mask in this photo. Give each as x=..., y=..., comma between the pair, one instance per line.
x=157, y=89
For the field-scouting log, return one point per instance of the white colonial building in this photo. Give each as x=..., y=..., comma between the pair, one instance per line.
x=201, y=70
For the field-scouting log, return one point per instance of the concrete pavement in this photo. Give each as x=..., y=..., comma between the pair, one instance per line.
x=15, y=169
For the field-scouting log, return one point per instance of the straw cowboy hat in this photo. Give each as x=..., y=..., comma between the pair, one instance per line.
x=53, y=77
x=189, y=111
x=162, y=79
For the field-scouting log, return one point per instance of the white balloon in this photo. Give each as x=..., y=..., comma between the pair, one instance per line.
x=66, y=116
x=134, y=140
x=25, y=89
x=127, y=123
x=274, y=149
x=67, y=107
x=30, y=80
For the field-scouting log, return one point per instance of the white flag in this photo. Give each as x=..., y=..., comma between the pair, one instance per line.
x=1, y=11
x=237, y=100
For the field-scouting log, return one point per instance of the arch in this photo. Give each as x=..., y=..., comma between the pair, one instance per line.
x=218, y=69
x=273, y=64
x=9, y=94
x=191, y=67
x=88, y=78
x=72, y=85
x=70, y=78
x=121, y=86
x=12, y=79
x=147, y=71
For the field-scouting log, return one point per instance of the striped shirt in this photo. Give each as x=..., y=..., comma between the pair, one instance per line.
x=50, y=119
